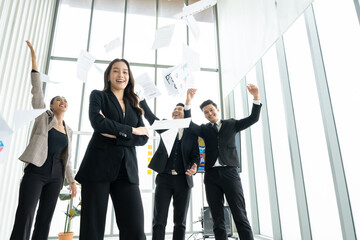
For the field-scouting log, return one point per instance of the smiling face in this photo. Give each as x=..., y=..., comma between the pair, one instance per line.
x=59, y=104
x=211, y=113
x=178, y=112
x=118, y=76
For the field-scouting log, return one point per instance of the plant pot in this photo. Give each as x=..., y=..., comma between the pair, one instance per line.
x=66, y=236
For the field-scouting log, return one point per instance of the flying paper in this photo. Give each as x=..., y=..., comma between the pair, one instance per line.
x=150, y=90
x=113, y=44
x=163, y=36
x=168, y=138
x=171, y=123
x=22, y=117
x=83, y=65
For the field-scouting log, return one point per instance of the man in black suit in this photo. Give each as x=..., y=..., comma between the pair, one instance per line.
x=221, y=163
x=174, y=179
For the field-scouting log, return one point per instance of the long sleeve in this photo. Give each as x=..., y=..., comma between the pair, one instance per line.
x=149, y=115
x=250, y=120
x=136, y=140
x=37, y=100
x=102, y=124
x=195, y=155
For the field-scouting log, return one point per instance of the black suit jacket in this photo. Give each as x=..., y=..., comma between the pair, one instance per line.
x=222, y=143
x=189, y=147
x=104, y=155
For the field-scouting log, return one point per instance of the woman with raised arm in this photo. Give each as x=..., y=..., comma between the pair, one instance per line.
x=47, y=161
x=110, y=165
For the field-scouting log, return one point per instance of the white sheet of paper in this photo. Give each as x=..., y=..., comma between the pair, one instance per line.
x=5, y=140
x=22, y=117
x=171, y=123
x=4, y=127
x=150, y=90
x=197, y=7
x=46, y=78
x=194, y=28
x=182, y=77
x=163, y=36
x=168, y=138
x=169, y=82
x=113, y=44
x=83, y=65
x=192, y=57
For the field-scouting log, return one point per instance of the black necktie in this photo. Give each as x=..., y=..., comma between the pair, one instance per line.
x=215, y=127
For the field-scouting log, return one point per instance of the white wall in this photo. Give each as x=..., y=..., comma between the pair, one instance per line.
x=247, y=29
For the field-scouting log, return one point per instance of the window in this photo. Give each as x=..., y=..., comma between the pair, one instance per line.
x=132, y=24
x=339, y=39
x=314, y=155
x=280, y=148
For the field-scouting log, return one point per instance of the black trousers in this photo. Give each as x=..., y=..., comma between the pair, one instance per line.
x=226, y=180
x=128, y=207
x=43, y=185
x=167, y=187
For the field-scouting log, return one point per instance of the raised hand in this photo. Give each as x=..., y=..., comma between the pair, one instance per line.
x=190, y=95
x=253, y=90
x=33, y=56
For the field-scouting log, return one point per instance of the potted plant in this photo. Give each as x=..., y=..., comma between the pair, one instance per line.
x=71, y=212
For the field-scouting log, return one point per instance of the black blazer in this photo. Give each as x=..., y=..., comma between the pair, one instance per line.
x=222, y=143
x=104, y=155
x=189, y=147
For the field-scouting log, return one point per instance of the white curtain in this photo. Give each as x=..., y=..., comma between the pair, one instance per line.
x=20, y=20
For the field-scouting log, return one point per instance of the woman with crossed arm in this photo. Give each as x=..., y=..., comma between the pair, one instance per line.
x=109, y=166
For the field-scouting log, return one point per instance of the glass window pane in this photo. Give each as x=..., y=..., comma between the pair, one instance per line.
x=320, y=191
x=65, y=73
x=147, y=199
x=172, y=55
x=83, y=143
x=107, y=27
x=72, y=36
x=206, y=44
x=244, y=175
x=262, y=189
x=95, y=81
x=280, y=148
x=198, y=201
x=140, y=31
x=339, y=38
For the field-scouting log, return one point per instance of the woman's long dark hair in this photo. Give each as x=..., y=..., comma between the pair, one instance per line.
x=129, y=93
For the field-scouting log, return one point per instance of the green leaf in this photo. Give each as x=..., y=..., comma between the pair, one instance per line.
x=77, y=212
x=65, y=196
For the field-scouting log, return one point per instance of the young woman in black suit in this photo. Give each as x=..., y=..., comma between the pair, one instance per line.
x=110, y=166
